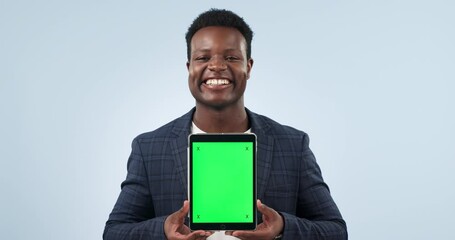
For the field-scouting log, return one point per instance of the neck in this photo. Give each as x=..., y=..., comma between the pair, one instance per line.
x=226, y=120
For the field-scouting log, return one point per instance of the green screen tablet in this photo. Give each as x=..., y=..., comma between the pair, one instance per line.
x=222, y=181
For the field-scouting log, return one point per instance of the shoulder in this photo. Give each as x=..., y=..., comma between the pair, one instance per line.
x=171, y=130
x=272, y=127
x=160, y=132
x=279, y=138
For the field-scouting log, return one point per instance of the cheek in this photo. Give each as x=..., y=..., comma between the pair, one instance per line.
x=242, y=72
x=190, y=71
x=194, y=75
x=194, y=71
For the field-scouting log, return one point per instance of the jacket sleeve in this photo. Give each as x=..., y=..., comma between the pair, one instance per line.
x=133, y=216
x=317, y=216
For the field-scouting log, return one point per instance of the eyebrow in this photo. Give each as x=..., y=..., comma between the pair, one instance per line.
x=208, y=50
x=200, y=50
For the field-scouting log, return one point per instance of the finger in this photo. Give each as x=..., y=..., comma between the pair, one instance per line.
x=271, y=218
x=179, y=216
x=198, y=235
x=268, y=212
x=250, y=234
x=184, y=210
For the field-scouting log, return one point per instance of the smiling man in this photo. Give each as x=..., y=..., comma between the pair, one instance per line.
x=295, y=202
x=218, y=72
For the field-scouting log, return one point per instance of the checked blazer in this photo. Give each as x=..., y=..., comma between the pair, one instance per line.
x=288, y=180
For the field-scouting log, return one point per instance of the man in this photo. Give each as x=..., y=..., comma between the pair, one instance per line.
x=295, y=203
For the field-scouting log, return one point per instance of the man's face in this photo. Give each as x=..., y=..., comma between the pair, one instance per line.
x=218, y=67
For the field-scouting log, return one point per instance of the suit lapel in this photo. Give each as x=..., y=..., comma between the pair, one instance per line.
x=179, y=147
x=264, y=151
x=264, y=161
x=179, y=153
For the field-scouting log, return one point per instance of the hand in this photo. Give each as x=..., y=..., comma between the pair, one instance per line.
x=175, y=229
x=271, y=226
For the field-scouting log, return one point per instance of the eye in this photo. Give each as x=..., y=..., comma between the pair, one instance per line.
x=232, y=58
x=202, y=58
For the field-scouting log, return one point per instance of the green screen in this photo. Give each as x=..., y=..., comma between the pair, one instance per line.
x=222, y=186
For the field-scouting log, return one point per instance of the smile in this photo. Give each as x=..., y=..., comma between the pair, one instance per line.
x=216, y=82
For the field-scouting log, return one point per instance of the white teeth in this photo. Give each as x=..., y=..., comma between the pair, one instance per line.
x=213, y=82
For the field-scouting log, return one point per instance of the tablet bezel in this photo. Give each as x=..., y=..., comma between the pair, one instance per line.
x=210, y=137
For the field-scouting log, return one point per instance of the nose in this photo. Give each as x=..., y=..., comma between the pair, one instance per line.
x=217, y=63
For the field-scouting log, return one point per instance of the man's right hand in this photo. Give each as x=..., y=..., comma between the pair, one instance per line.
x=175, y=228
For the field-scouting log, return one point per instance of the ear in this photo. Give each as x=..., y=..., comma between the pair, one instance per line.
x=249, y=66
x=188, y=65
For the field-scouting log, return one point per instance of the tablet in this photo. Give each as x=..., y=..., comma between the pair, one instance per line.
x=222, y=181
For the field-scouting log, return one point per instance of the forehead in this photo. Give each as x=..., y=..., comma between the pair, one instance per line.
x=217, y=37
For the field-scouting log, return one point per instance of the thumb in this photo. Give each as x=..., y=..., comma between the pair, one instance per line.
x=263, y=208
x=267, y=213
x=182, y=212
x=179, y=215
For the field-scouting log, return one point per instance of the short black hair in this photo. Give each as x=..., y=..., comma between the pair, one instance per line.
x=219, y=17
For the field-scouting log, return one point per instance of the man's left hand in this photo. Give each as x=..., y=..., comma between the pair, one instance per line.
x=271, y=226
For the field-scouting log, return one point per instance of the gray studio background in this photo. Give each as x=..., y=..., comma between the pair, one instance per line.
x=371, y=82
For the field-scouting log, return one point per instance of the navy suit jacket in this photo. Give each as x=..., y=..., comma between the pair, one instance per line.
x=288, y=180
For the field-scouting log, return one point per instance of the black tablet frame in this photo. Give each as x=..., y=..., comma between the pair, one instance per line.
x=209, y=137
